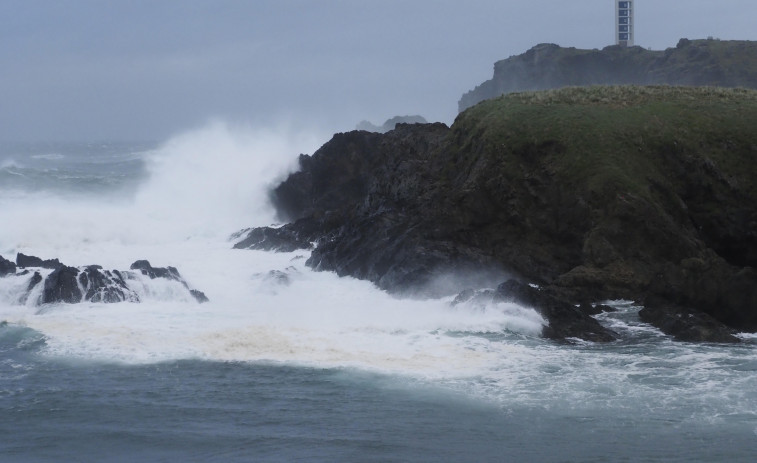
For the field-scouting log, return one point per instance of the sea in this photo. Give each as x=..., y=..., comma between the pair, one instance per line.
x=287, y=364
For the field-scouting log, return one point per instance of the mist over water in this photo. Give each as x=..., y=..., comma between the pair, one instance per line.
x=178, y=203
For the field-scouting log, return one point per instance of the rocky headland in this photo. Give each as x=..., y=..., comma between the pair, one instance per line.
x=711, y=62
x=573, y=196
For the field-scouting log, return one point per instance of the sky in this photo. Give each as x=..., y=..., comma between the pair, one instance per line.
x=145, y=70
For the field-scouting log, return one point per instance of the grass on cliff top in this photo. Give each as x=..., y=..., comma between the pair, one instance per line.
x=612, y=137
x=628, y=95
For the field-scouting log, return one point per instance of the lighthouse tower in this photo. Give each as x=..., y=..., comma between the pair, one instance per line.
x=624, y=23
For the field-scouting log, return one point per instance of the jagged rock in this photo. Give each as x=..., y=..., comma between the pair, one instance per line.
x=272, y=239
x=91, y=283
x=105, y=286
x=34, y=281
x=6, y=267
x=685, y=324
x=199, y=296
x=24, y=261
x=565, y=319
x=61, y=286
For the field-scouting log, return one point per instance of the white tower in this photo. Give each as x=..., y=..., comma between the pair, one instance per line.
x=624, y=23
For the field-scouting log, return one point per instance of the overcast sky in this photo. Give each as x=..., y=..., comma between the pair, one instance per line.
x=95, y=70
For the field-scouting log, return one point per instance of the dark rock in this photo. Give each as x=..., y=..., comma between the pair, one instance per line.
x=199, y=296
x=92, y=283
x=277, y=277
x=170, y=273
x=105, y=286
x=6, y=267
x=685, y=324
x=565, y=319
x=34, y=281
x=272, y=239
x=595, y=309
x=61, y=286
x=24, y=261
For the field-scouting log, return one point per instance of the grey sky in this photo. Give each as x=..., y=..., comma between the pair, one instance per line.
x=146, y=69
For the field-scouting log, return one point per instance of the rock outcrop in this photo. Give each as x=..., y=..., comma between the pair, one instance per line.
x=23, y=261
x=6, y=267
x=92, y=283
x=640, y=193
x=691, y=62
x=390, y=124
x=169, y=273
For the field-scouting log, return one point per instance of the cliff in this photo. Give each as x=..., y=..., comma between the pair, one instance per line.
x=691, y=63
x=642, y=193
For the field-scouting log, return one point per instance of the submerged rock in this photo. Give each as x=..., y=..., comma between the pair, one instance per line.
x=686, y=325
x=272, y=239
x=565, y=319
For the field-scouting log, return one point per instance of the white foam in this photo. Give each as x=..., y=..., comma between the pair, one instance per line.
x=317, y=319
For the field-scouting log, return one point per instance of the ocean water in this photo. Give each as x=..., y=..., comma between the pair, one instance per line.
x=287, y=364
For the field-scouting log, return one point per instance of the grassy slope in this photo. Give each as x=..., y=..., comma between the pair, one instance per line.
x=613, y=136
x=620, y=190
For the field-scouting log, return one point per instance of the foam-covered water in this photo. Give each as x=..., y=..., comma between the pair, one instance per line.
x=286, y=363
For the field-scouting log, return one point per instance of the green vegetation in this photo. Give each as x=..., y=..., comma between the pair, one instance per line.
x=616, y=139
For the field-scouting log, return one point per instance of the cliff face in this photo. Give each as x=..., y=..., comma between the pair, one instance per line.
x=642, y=193
x=693, y=63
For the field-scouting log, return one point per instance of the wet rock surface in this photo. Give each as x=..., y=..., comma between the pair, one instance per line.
x=6, y=267
x=91, y=283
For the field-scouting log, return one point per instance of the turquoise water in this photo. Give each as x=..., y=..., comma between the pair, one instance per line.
x=321, y=368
